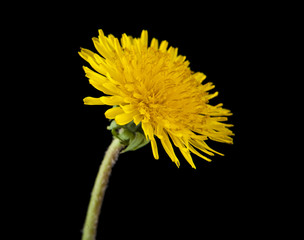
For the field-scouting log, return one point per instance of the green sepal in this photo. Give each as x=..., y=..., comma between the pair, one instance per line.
x=130, y=135
x=136, y=142
x=113, y=125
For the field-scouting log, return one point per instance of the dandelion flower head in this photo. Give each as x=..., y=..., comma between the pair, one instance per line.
x=153, y=86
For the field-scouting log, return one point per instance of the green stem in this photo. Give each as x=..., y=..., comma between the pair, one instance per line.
x=98, y=192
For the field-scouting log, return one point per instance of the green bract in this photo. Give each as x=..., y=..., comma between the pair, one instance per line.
x=130, y=135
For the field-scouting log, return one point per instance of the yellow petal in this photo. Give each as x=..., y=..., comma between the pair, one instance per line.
x=100, y=86
x=110, y=40
x=199, y=76
x=163, y=46
x=178, y=143
x=86, y=54
x=126, y=41
x=148, y=130
x=113, y=88
x=213, y=95
x=92, y=101
x=138, y=118
x=113, y=100
x=144, y=38
x=94, y=75
x=154, y=43
x=90, y=58
x=201, y=145
x=192, y=149
x=154, y=148
x=169, y=149
x=124, y=118
x=187, y=156
x=128, y=108
x=149, y=133
x=113, y=112
x=118, y=48
x=173, y=52
x=101, y=34
x=101, y=48
x=208, y=86
x=111, y=79
x=159, y=131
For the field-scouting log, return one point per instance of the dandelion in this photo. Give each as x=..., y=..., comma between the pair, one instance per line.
x=155, y=95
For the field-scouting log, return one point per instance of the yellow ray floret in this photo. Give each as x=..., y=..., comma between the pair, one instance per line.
x=154, y=86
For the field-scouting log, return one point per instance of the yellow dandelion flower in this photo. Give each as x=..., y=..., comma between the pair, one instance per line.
x=153, y=86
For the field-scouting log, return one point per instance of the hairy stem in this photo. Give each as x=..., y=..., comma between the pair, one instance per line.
x=98, y=192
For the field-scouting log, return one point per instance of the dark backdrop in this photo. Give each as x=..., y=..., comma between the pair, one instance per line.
x=146, y=197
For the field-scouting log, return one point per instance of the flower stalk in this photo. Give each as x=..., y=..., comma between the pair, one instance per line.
x=98, y=192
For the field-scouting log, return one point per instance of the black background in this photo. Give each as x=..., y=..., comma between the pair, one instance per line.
x=147, y=197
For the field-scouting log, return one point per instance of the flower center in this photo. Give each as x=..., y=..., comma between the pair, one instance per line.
x=160, y=87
